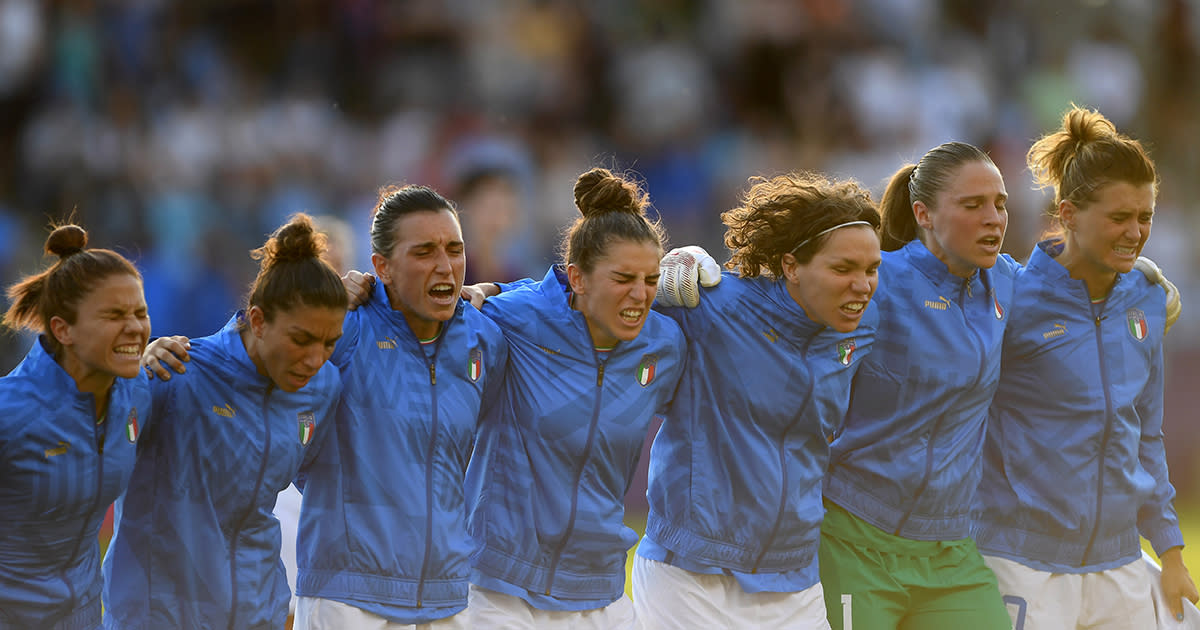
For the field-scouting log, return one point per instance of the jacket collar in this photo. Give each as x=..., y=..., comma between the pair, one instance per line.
x=797, y=323
x=919, y=256
x=556, y=289
x=382, y=306
x=233, y=358
x=44, y=365
x=41, y=365
x=556, y=286
x=1042, y=261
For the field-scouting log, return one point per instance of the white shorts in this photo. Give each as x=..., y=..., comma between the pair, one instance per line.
x=669, y=598
x=287, y=510
x=1115, y=599
x=315, y=613
x=495, y=611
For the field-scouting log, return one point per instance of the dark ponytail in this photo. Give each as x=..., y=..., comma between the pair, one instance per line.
x=921, y=182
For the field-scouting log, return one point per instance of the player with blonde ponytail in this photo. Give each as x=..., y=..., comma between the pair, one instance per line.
x=1074, y=465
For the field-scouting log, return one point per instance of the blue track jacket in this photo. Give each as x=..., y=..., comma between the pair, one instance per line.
x=383, y=523
x=908, y=458
x=1075, y=467
x=735, y=470
x=59, y=471
x=195, y=544
x=557, y=450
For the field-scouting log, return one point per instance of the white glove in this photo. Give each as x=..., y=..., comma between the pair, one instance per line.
x=680, y=272
x=1155, y=275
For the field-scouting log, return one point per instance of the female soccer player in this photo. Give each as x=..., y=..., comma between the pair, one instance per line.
x=1075, y=469
x=589, y=365
x=195, y=544
x=383, y=541
x=895, y=551
x=735, y=471
x=70, y=419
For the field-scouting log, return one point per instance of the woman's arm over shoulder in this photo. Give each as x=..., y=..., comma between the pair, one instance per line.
x=715, y=302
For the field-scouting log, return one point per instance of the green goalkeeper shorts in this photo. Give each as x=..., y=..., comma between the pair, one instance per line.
x=876, y=581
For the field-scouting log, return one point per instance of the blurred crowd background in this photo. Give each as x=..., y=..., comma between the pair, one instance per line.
x=182, y=132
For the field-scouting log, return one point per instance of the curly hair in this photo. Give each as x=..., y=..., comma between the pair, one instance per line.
x=776, y=215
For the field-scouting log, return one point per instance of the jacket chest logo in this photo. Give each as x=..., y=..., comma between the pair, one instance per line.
x=845, y=351
x=387, y=343
x=225, y=411
x=308, y=426
x=131, y=426
x=997, y=310
x=942, y=304
x=1059, y=330
x=61, y=449
x=1136, y=320
x=646, y=369
x=475, y=364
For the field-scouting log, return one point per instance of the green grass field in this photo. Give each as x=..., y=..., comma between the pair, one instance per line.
x=1189, y=519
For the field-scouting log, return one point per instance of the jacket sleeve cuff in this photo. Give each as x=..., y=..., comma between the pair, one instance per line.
x=1166, y=538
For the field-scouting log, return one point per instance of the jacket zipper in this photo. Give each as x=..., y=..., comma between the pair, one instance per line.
x=937, y=424
x=1098, y=316
x=587, y=452
x=233, y=535
x=434, y=425
x=783, y=486
x=99, y=435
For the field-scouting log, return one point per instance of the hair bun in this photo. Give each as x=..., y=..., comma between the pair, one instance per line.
x=298, y=239
x=66, y=240
x=599, y=191
x=1085, y=125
